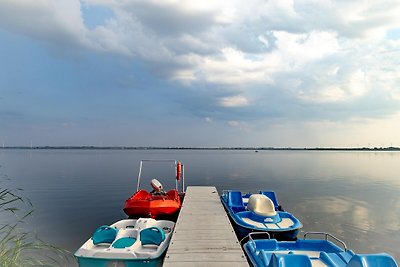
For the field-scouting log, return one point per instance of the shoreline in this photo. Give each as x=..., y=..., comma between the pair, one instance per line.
x=256, y=149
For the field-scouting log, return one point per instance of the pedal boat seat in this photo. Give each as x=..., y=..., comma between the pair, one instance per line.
x=104, y=234
x=152, y=236
x=124, y=242
x=261, y=205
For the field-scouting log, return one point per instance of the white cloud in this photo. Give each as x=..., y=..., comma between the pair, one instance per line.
x=234, y=101
x=300, y=49
x=326, y=94
x=233, y=68
x=58, y=22
x=358, y=83
x=184, y=75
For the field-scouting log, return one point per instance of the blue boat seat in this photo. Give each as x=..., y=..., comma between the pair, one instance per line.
x=124, y=242
x=346, y=256
x=271, y=195
x=104, y=234
x=235, y=201
x=332, y=259
x=290, y=260
x=152, y=236
x=265, y=257
x=376, y=260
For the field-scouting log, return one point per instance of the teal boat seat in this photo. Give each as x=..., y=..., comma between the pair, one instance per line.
x=124, y=242
x=152, y=236
x=104, y=234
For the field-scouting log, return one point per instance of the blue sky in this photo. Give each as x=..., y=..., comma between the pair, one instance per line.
x=200, y=73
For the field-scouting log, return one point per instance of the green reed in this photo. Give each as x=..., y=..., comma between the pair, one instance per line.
x=20, y=247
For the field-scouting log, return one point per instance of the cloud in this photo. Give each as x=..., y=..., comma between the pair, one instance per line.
x=307, y=59
x=234, y=101
x=56, y=22
x=172, y=18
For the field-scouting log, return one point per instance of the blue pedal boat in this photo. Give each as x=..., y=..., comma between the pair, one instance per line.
x=310, y=253
x=128, y=243
x=259, y=213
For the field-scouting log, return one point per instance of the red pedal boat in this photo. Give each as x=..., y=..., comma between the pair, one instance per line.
x=157, y=203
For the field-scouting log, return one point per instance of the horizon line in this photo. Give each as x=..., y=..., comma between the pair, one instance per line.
x=390, y=148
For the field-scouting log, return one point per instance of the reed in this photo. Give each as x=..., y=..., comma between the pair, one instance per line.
x=18, y=246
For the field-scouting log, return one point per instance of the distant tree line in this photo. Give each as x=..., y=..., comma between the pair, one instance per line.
x=391, y=148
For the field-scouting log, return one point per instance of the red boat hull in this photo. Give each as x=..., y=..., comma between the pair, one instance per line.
x=145, y=204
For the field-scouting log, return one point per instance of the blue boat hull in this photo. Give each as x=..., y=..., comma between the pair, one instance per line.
x=242, y=232
x=246, y=221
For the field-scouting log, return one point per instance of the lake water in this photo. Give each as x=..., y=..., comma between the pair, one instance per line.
x=353, y=195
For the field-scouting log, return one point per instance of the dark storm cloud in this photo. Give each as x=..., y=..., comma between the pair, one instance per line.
x=170, y=20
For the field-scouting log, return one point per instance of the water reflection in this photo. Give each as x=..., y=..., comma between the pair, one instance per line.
x=342, y=209
x=361, y=219
x=367, y=226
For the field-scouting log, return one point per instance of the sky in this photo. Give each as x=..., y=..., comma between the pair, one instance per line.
x=304, y=73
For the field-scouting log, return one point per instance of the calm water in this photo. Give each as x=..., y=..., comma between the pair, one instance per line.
x=353, y=195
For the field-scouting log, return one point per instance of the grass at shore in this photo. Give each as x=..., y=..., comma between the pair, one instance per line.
x=19, y=247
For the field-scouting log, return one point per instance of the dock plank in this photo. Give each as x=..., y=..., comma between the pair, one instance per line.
x=203, y=235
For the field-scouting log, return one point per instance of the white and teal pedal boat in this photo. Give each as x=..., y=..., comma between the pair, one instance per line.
x=259, y=213
x=128, y=243
x=310, y=253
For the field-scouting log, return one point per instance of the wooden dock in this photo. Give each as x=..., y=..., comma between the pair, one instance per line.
x=203, y=234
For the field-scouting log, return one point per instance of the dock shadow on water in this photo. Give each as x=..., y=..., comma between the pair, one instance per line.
x=19, y=246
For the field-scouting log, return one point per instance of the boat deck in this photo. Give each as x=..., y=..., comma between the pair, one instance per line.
x=203, y=234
